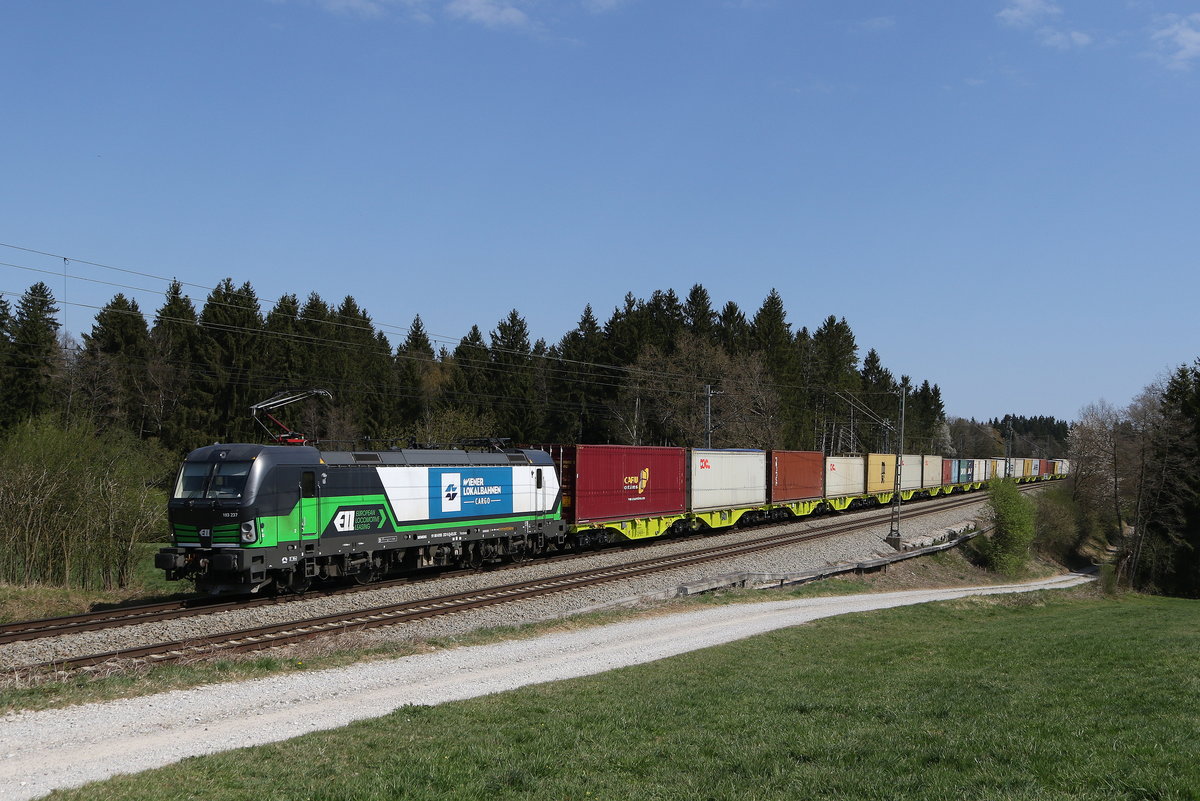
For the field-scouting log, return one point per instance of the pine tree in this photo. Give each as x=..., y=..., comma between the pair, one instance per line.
x=699, y=319
x=179, y=390
x=233, y=322
x=836, y=355
x=511, y=381
x=6, y=374
x=581, y=388
x=317, y=331
x=770, y=333
x=34, y=359
x=733, y=332
x=664, y=320
x=114, y=367
x=627, y=331
x=878, y=393
x=416, y=371
x=364, y=372
x=470, y=380
x=283, y=345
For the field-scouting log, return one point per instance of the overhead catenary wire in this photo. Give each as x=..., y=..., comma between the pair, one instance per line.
x=583, y=373
x=358, y=322
x=586, y=377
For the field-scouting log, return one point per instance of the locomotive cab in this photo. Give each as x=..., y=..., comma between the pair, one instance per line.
x=237, y=516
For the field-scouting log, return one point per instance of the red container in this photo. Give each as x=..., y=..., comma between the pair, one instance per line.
x=949, y=471
x=1045, y=467
x=620, y=482
x=796, y=475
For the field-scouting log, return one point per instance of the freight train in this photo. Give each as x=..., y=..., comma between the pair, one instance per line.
x=247, y=517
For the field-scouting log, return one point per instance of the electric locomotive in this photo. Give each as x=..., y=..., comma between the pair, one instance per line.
x=246, y=517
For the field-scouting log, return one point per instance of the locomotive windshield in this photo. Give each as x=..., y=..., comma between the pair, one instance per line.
x=212, y=480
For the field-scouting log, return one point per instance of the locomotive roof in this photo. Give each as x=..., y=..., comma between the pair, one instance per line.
x=431, y=458
x=417, y=457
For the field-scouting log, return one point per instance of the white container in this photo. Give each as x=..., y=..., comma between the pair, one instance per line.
x=1016, y=468
x=931, y=471
x=727, y=479
x=910, y=471
x=845, y=475
x=981, y=468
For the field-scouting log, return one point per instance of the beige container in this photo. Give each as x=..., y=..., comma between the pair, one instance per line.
x=931, y=471
x=727, y=479
x=910, y=471
x=844, y=475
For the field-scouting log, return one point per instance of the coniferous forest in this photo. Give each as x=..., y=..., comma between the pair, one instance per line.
x=656, y=371
x=143, y=387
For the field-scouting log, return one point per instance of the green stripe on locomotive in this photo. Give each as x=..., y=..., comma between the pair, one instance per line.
x=228, y=534
x=284, y=529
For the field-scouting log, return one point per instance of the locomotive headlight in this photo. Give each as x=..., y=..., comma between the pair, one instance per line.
x=249, y=535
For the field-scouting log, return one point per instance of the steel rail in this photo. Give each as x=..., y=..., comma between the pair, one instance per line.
x=189, y=607
x=263, y=637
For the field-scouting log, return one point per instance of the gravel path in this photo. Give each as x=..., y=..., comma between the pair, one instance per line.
x=821, y=553
x=42, y=751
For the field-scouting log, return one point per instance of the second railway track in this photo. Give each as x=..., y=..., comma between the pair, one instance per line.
x=277, y=634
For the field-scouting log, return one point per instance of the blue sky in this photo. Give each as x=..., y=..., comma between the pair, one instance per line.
x=998, y=195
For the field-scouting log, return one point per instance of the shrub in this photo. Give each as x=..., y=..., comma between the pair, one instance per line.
x=74, y=504
x=1013, y=518
x=1108, y=578
x=1056, y=526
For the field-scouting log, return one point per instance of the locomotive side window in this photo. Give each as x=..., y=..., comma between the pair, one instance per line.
x=308, y=484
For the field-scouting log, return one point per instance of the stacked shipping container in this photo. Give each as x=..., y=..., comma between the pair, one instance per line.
x=608, y=483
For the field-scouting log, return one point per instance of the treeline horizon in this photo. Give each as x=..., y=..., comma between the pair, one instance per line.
x=648, y=375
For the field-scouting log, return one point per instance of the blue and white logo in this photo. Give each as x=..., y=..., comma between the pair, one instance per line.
x=451, y=499
x=471, y=492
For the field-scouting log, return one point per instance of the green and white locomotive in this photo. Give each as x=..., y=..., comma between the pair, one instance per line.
x=246, y=517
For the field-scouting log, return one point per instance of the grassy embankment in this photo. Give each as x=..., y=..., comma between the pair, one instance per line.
x=34, y=603
x=1049, y=695
x=17, y=691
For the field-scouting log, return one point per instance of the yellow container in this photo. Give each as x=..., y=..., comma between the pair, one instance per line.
x=881, y=472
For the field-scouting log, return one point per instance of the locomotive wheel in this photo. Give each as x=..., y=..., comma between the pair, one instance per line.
x=367, y=576
x=519, y=553
x=298, y=583
x=472, y=558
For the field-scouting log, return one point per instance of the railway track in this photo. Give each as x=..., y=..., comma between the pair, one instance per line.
x=190, y=607
x=263, y=637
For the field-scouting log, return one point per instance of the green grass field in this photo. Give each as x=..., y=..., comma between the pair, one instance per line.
x=1050, y=695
